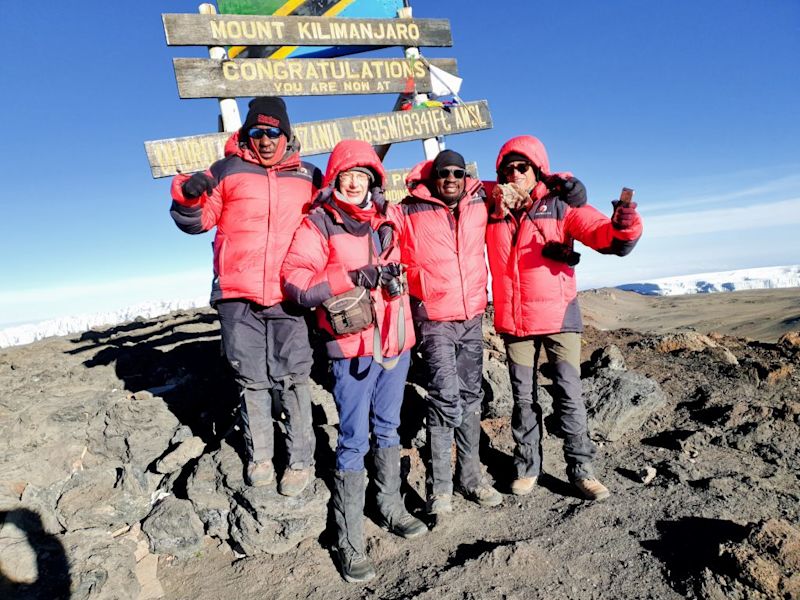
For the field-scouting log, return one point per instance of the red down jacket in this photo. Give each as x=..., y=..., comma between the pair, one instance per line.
x=533, y=294
x=335, y=238
x=444, y=255
x=256, y=211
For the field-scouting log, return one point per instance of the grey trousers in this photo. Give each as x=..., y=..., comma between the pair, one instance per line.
x=269, y=351
x=453, y=355
x=563, y=353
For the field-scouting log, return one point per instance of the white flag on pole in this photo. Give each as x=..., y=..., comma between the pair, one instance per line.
x=443, y=83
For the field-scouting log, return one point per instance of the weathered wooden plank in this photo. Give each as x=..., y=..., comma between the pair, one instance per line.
x=205, y=78
x=250, y=30
x=395, y=188
x=195, y=153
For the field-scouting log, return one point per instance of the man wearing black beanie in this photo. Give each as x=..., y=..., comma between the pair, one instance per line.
x=442, y=244
x=256, y=197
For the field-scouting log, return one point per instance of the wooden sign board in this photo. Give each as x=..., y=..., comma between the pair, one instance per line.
x=248, y=30
x=196, y=153
x=395, y=188
x=207, y=78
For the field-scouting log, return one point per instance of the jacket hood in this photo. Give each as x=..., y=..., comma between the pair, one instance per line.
x=291, y=159
x=418, y=179
x=528, y=146
x=353, y=153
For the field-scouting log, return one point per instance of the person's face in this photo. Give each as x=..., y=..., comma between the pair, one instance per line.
x=266, y=140
x=353, y=185
x=450, y=183
x=520, y=172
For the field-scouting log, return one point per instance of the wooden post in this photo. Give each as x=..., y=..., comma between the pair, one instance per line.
x=431, y=146
x=228, y=109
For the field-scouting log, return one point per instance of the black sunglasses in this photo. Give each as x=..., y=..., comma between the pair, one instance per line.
x=445, y=173
x=271, y=132
x=520, y=168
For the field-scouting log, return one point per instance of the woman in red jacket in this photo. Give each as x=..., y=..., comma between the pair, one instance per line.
x=350, y=241
x=537, y=215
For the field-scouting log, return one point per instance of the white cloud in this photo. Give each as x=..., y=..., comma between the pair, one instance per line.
x=756, y=215
x=770, y=188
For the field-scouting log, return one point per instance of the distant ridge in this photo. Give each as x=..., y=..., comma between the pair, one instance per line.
x=723, y=281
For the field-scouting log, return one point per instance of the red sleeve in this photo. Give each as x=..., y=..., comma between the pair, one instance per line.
x=307, y=277
x=210, y=204
x=593, y=229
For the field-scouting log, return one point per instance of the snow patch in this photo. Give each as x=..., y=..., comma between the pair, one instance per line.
x=31, y=332
x=723, y=281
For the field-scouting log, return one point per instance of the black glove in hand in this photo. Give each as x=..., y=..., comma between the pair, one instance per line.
x=197, y=185
x=367, y=276
x=624, y=215
x=570, y=190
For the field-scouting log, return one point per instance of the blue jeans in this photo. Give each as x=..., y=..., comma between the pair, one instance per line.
x=368, y=398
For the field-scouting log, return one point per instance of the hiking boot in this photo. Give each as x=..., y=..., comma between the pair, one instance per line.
x=294, y=481
x=483, y=495
x=591, y=489
x=407, y=526
x=356, y=567
x=392, y=513
x=439, y=504
x=522, y=486
x=260, y=473
x=348, y=512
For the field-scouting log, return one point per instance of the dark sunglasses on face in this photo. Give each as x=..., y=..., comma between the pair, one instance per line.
x=271, y=132
x=456, y=173
x=521, y=168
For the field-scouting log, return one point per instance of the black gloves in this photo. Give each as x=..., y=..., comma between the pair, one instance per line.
x=570, y=190
x=624, y=215
x=367, y=276
x=197, y=185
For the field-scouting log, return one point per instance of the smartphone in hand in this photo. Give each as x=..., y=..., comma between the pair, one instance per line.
x=626, y=196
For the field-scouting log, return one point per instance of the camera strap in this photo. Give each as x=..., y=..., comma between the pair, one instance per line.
x=377, y=344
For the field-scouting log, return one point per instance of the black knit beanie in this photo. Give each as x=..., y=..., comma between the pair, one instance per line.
x=267, y=110
x=447, y=158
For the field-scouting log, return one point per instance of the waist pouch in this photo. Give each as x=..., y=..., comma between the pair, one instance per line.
x=350, y=312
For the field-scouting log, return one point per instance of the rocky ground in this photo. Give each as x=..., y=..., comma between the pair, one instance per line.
x=121, y=478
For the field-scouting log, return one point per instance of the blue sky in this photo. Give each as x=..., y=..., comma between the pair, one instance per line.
x=693, y=104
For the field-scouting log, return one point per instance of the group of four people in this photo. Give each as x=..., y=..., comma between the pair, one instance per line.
x=380, y=275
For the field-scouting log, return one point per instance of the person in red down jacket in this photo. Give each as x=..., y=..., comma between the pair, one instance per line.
x=443, y=246
x=256, y=198
x=350, y=242
x=535, y=218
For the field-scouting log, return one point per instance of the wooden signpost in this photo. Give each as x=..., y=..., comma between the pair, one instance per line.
x=231, y=78
x=195, y=153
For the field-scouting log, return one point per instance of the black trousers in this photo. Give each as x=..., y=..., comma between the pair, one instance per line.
x=268, y=348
